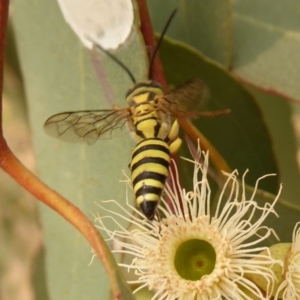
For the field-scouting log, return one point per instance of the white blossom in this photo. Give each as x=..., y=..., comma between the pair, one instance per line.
x=190, y=252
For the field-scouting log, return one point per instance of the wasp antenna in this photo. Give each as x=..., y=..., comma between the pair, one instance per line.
x=115, y=59
x=160, y=40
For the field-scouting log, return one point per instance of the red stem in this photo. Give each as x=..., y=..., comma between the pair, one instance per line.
x=11, y=165
x=158, y=74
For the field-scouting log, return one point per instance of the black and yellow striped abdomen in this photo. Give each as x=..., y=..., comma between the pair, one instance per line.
x=149, y=171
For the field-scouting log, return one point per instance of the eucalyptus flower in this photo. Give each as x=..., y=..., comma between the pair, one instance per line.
x=190, y=252
x=289, y=288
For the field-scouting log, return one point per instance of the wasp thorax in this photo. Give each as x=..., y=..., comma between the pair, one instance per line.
x=151, y=87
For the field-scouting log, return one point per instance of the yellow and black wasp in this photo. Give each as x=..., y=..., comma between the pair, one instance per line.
x=151, y=116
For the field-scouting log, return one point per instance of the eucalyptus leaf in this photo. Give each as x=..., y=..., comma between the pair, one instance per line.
x=241, y=136
x=266, y=44
x=60, y=76
x=282, y=133
x=205, y=25
x=277, y=115
x=258, y=41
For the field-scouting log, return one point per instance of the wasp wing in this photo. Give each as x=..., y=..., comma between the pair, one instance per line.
x=189, y=97
x=88, y=125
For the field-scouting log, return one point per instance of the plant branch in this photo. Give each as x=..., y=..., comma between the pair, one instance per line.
x=216, y=158
x=157, y=71
x=25, y=178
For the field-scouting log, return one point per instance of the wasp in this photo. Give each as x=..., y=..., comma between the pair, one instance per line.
x=151, y=117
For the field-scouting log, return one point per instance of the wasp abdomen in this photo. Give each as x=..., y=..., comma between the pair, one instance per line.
x=149, y=168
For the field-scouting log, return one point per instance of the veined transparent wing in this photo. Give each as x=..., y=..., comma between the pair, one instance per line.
x=188, y=98
x=88, y=125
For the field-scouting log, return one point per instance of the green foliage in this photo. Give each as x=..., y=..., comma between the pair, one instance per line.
x=240, y=136
x=259, y=44
x=59, y=76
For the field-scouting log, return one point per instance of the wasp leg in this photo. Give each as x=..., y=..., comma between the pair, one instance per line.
x=174, y=131
x=175, y=145
x=163, y=131
x=173, y=137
